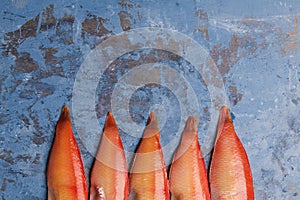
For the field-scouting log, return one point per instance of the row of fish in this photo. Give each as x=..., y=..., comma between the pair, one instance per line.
x=229, y=173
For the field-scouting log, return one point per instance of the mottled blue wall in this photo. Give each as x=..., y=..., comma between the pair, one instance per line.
x=253, y=44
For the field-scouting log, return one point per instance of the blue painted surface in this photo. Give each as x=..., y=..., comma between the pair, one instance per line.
x=255, y=45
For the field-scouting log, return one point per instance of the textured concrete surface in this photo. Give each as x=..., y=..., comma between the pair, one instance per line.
x=253, y=44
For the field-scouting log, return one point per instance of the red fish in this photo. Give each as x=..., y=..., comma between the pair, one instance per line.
x=188, y=176
x=230, y=174
x=148, y=178
x=65, y=173
x=109, y=175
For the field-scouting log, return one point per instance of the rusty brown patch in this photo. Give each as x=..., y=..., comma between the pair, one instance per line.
x=94, y=26
x=29, y=29
x=4, y=183
x=26, y=30
x=234, y=96
x=128, y=4
x=24, y=63
x=24, y=119
x=129, y=14
x=15, y=38
x=6, y=155
x=38, y=139
x=48, y=20
x=37, y=159
x=292, y=42
x=48, y=54
x=64, y=28
x=125, y=4
x=3, y=118
x=289, y=41
x=202, y=19
x=125, y=20
x=69, y=19
x=24, y=157
x=225, y=58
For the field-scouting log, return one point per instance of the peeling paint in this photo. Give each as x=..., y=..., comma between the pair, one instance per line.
x=128, y=4
x=49, y=54
x=202, y=19
x=234, y=96
x=125, y=20
x=292, y=38
x=48, y=20
x=64, y=29
x=27, y=30
x=5, y=181
x=93, y=25
x=6, y=155
x=226, y=57
x=24, y=63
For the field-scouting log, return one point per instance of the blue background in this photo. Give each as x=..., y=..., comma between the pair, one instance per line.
x=255, y=45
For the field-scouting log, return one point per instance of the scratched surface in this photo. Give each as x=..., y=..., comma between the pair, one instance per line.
x=254, y=44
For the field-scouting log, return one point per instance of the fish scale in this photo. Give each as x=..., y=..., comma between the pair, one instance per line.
x=230, y=172
x=148, y=177
x=65, y=173
x=188, y=176
x=109, y=174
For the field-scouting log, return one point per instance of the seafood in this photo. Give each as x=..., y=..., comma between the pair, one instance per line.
x=188, y=176
x=65, y=173
x=148, y=178
x=230, y=174
x=109, y=174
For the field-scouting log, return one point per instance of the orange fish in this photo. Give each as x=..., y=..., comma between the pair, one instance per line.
x=188, y=176
x=65, y=172
x=148, y=178
x=230, y=174
x=109, y=175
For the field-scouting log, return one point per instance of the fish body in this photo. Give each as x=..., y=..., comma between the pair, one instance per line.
x=109, y=174
x=148, y=177
x=188, y=176
x=230, y=173
x=65, y=172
